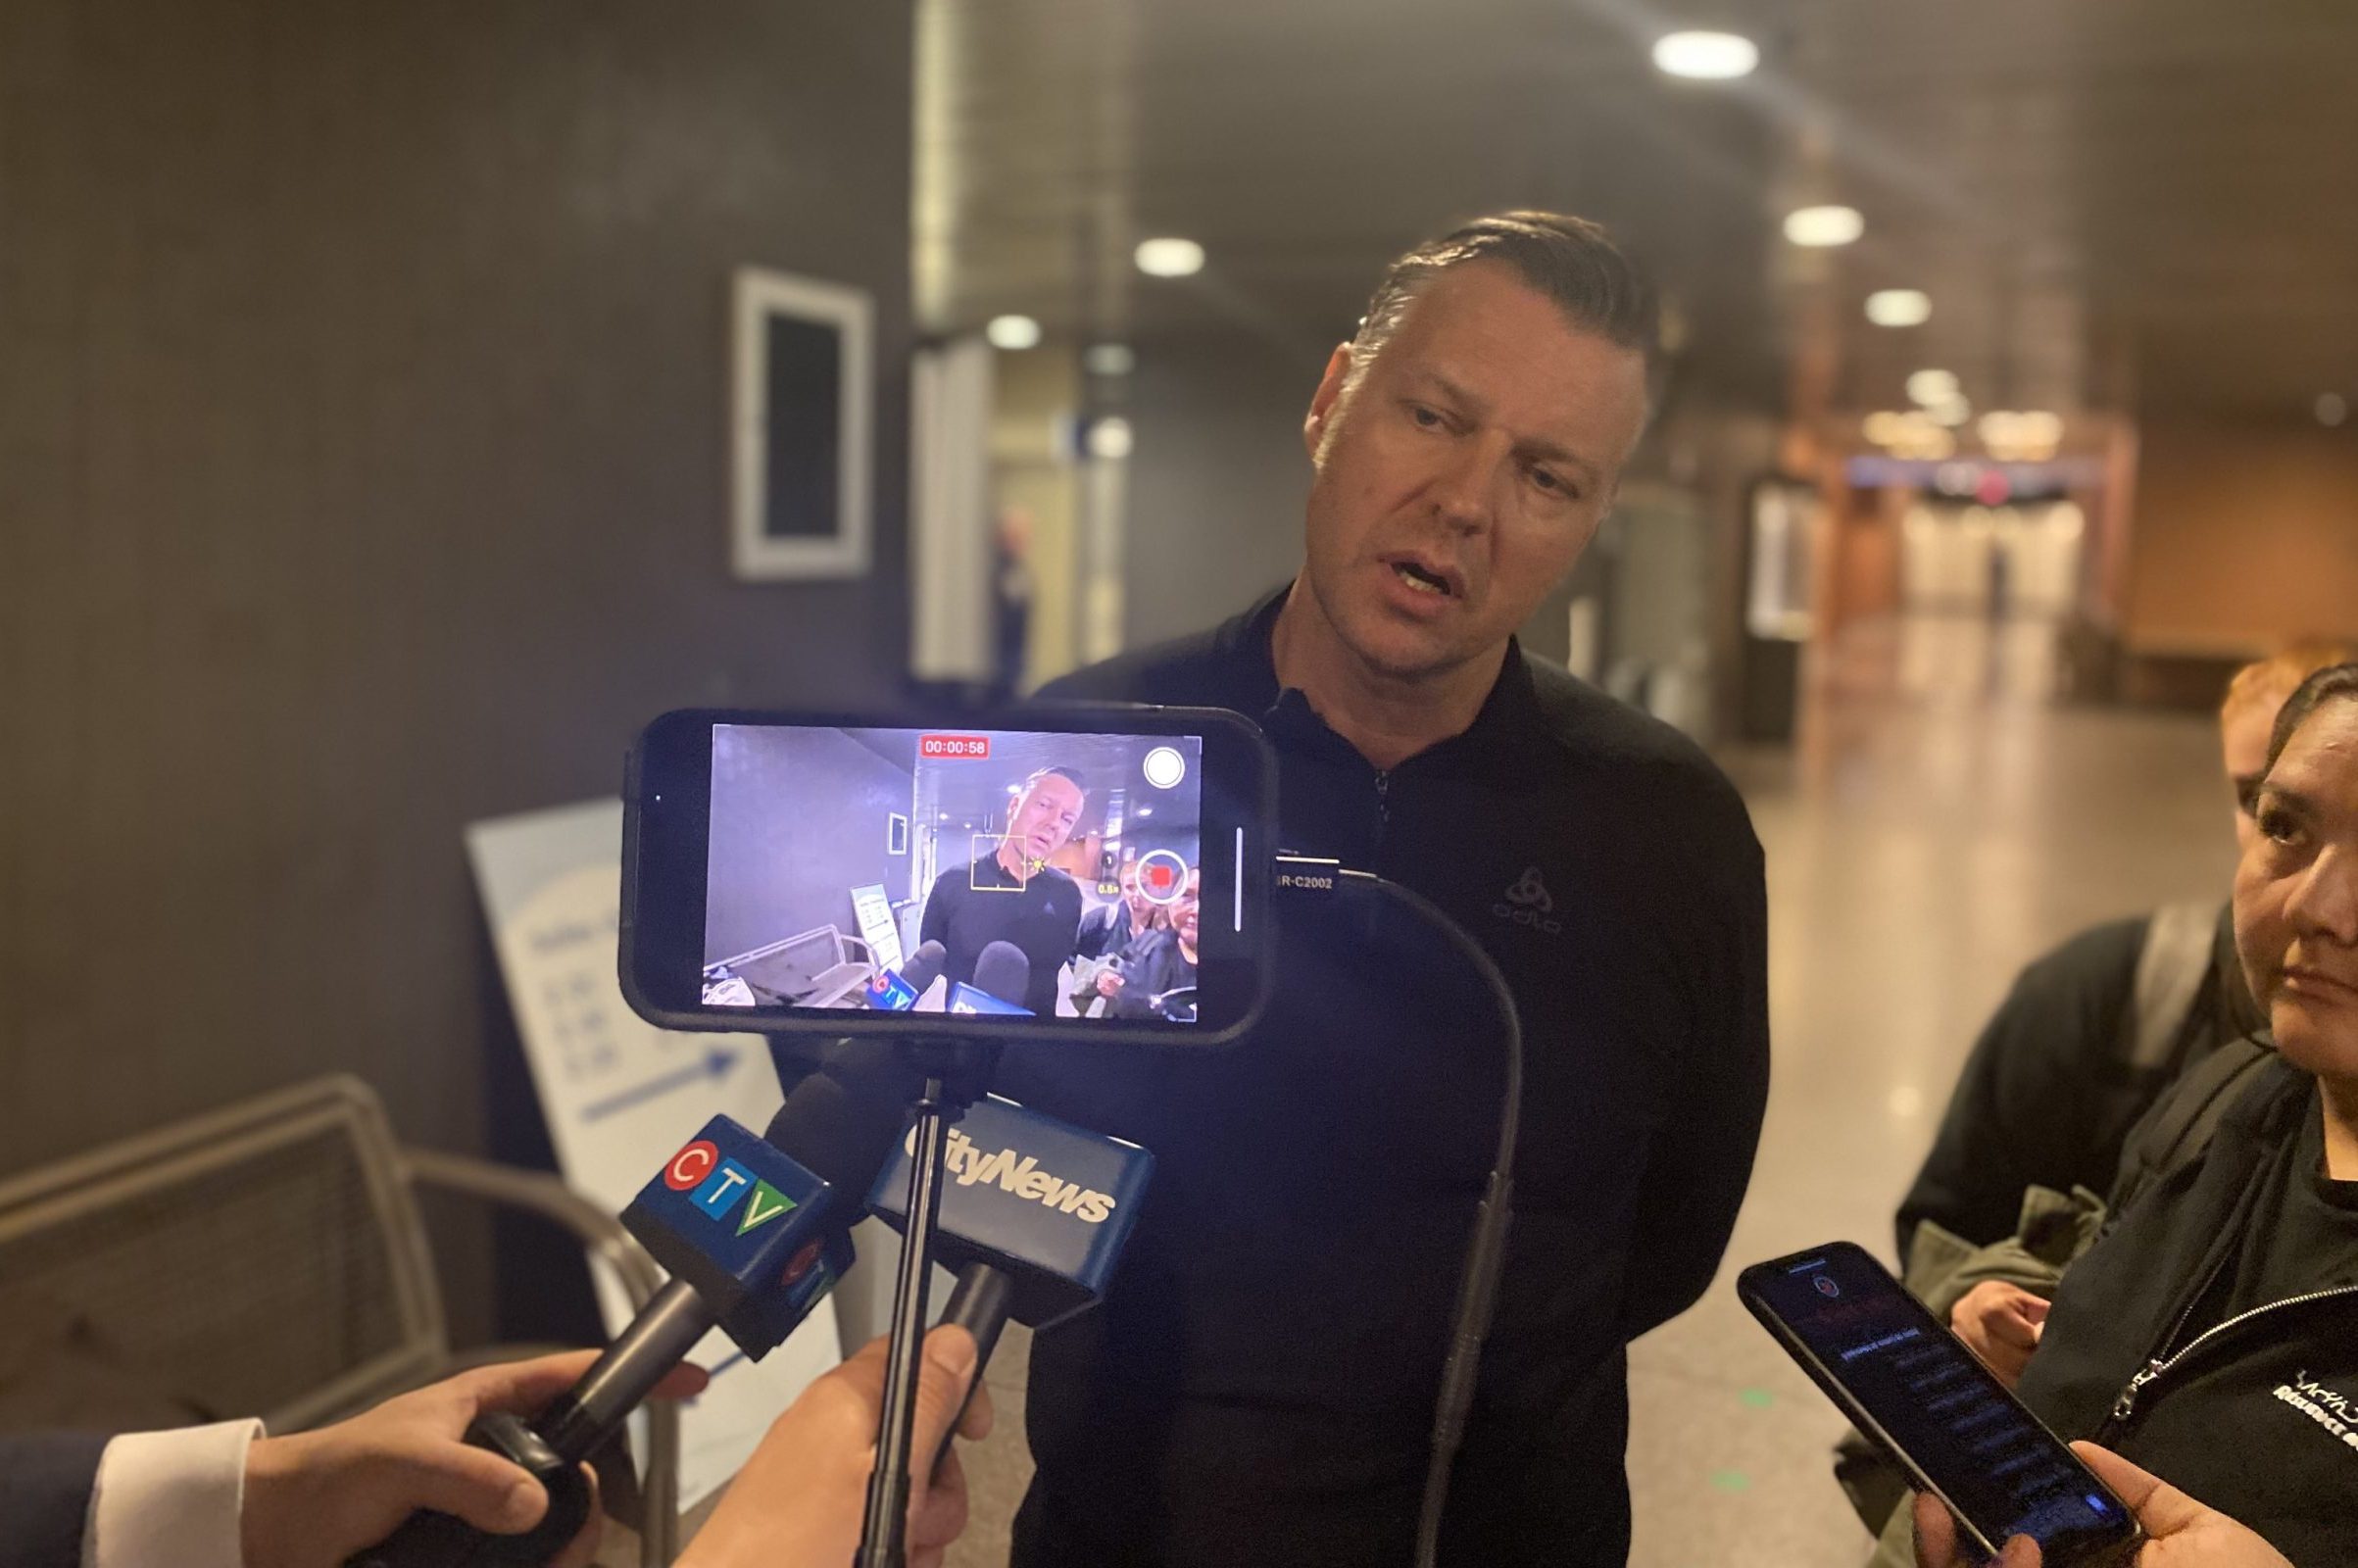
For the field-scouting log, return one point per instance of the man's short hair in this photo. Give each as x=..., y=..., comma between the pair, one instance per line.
x=1055, y=771
x=1570, y=259
x=2271, y=679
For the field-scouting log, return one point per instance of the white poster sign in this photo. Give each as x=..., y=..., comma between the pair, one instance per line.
x=872, y=907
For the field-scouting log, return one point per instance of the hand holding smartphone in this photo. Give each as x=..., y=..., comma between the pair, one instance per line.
x=1961, y=1435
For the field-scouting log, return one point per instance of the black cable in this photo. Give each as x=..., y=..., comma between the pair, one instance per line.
x=1486, y=1250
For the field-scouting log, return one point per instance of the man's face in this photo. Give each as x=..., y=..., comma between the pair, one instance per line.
x=2244, y=736
x=1465, y=473
x=1183, y=913
x=2297, y=896
x=1044, y=816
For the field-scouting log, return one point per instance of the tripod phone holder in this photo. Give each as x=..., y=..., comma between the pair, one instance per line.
x=956, y=1073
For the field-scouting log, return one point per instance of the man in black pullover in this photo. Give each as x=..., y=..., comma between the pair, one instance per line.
x=1258, y=1387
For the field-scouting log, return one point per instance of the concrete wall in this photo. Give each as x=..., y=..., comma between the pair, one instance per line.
x=363, y=419
x=2242, y=538
x=799, y=819
x=1217, y=479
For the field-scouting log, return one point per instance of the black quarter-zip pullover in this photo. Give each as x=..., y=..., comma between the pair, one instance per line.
x=2193, y=1343
x=1257, y=1388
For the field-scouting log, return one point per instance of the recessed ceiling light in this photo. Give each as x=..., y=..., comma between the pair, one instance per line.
x=1819, y=226
x=1899, y=307
x=1111, y=437
x=1705, y=56
x=2332, y=409
x=1928, y=387
x=1951, y=411
x=1110, y=358
x=1170, y=258
x=1012, y=332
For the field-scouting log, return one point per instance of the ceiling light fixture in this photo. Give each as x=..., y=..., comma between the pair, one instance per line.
x=1820, y=227
x=1928, y=387
x=1110, y=438
x=1013, y=332
x=1705, y=56
x=1169, y=257
x=2332, y=409
x=1899, y=307
x=1951, y=411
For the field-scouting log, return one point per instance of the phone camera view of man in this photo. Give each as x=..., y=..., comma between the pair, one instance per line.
x=984, y=873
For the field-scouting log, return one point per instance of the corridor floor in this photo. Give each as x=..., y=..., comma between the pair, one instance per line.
x=1938, y=824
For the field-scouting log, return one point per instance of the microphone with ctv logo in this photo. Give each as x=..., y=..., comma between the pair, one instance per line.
x=898, y=991
x=752, y=1239
x=1034, y=1218
x=1002, y=975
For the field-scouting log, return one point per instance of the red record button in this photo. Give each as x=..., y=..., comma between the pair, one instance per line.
x=1162, y=876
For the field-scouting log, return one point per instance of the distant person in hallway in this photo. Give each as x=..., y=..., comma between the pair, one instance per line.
x=2093, y=1032
x=2211, y=1335
x=1012, y=894
x=1257, y=1388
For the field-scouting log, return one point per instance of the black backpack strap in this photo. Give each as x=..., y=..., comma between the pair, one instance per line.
x=2178, y=1128
x=2170, y=968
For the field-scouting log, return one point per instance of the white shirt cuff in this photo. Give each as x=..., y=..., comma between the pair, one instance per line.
x=171, y=1499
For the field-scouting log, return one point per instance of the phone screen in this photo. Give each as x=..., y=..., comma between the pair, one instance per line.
x=1084, y=879
x=1907, y=1378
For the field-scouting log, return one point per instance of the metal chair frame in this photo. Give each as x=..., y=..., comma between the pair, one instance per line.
x=342, y=1105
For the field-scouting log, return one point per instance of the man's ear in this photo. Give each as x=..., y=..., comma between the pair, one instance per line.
x=1324, y=399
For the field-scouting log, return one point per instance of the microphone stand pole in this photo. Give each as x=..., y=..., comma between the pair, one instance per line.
x=956, y=1071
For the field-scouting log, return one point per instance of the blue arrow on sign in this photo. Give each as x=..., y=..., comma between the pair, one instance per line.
x=714, y=1065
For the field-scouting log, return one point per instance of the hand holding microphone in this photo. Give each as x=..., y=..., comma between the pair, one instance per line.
x=796, y=1503
x=1034, y=1218
x=753, y=1240
x=310, y=1498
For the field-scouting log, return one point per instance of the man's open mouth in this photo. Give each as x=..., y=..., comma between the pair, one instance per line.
x=1420, y=578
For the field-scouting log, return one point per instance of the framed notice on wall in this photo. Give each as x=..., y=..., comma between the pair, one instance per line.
x=800, y=453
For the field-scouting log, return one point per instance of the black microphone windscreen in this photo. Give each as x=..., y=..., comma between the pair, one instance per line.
x=924, y=966
x=842, y=1122
x=1003, y=971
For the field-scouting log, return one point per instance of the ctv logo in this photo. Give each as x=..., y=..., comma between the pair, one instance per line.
x=716, y=1185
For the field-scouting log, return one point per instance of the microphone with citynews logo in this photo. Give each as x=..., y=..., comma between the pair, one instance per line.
x=752, y=1239
x=1034, y=1218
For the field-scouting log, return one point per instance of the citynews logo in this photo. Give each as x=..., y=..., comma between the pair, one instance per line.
x=1020, y=1174
x=1528, y=903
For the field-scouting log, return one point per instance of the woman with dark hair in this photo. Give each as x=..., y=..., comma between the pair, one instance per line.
x=2211, y=1338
